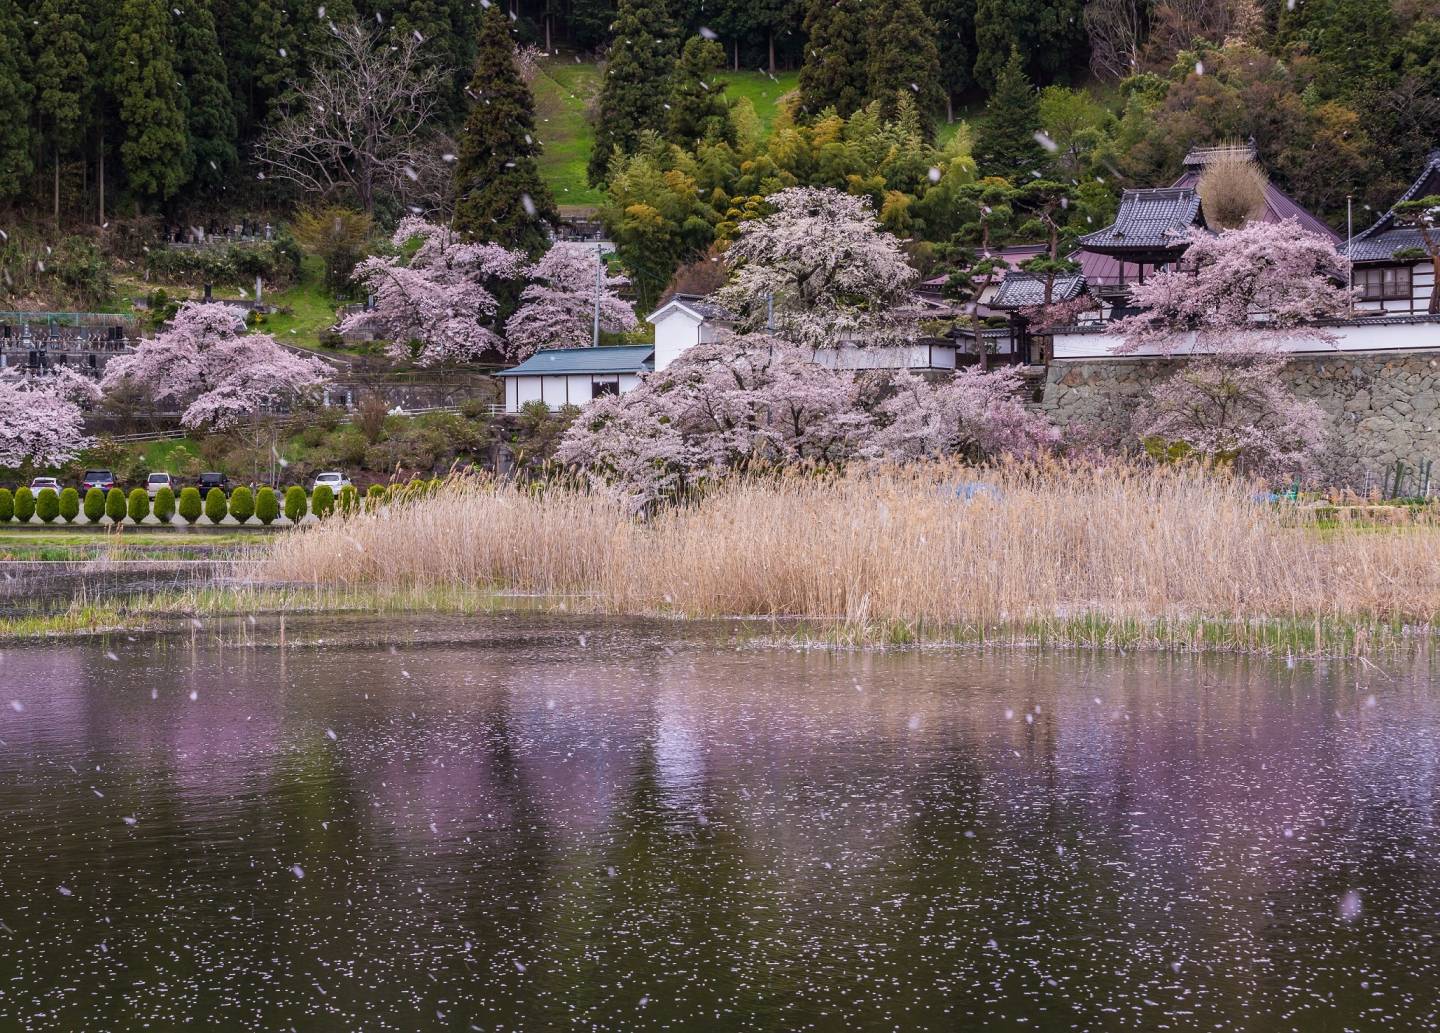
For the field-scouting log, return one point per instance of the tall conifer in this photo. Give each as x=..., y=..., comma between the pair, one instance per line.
x=155, y=149
x=834, y=71
x=641, y=60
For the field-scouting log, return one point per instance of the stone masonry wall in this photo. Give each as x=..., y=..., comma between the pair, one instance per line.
x=1378, y=407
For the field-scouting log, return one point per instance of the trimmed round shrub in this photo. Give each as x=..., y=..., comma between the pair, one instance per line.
x=348, y=500
x=115, y=505
x=322, y=502
x=267, y=506
x=189, y=505
x=47, y=505
x=139, y=505
x=94, y=505
x=295, y=504
x=215, y=505
x=70, y=505
x=7, y=506
x=242, y=504
x=24, y=505
x=375, y=496
x=165, y=505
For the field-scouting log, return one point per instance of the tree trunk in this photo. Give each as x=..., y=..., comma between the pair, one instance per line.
x=548, y=17
x=100, y=177
x=57, y=186
x=949, y=108
x=737, y=55
x=771, y=41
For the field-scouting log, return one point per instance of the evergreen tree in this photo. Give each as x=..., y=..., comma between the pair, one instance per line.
x=903, y=57
x=275, y=59
x=641, y=61
x=155, y=150
x=954, y=22
x=495, y=171
x=698, y=110
x=62, y=77
x=998, y=31
x=834, y=71
x=447, y=30
x=210, y=115
x=1007, y=144
x=15, y=95
x=590, y=23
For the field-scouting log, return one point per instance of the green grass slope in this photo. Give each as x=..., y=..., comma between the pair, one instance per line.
x=563, y=91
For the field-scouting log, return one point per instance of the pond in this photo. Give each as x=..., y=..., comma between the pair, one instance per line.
x=537, y=823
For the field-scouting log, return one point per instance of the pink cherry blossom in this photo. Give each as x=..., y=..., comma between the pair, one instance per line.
x=832, y=273
x=1245, y=289
x=206, y=362
x=1235, y=408
x=557, y=310
x=974, y=415
x=42, y=422
x=439, y=299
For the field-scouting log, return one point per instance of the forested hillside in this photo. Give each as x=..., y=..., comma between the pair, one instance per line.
x=200, y=112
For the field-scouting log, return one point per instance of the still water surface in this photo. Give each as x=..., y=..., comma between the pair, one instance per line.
x=531, y=823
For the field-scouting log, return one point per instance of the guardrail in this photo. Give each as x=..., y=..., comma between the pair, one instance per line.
x=175, y=433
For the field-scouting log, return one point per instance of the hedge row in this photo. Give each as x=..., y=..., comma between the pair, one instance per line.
x=264, y=505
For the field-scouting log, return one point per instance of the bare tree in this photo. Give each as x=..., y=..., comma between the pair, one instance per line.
x=363, y=124
x=1117, y=34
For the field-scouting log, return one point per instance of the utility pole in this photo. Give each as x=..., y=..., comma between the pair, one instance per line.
x=1349, y=240
x=599, y=284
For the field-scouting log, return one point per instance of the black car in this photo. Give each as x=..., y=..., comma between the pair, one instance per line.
x=213, y=480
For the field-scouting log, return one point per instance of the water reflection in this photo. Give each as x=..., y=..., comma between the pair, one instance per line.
x=510, y=823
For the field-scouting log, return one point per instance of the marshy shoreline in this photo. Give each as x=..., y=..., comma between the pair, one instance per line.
x=1048, y=556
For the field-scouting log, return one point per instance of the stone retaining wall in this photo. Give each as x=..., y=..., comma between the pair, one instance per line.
x=1379, y=407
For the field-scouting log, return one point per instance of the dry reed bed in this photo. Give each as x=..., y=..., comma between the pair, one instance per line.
x=1059, y=543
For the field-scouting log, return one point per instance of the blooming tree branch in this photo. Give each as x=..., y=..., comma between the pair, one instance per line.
x=557, y=310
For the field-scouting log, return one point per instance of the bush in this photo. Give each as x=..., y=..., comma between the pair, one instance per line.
x=375, y=496
x=69, y=505
x=115, y=505
x=139, y=505
x=94, y=505
x=215, y=505
x=165, y=505
x=24, y=505
x=242, y=504
x=322, y=503
x=349, y=500
x=47, y=506
x=295, y=504
x=189, y=504
x=267, y=507
x=7, y=506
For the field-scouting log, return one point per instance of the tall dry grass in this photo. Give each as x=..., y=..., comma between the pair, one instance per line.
x=1059, y=543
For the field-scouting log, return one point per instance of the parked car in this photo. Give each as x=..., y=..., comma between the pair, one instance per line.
x=156, y=481
x=332, y=479
x=102, y=479
x=39, y=484
x=213, y=480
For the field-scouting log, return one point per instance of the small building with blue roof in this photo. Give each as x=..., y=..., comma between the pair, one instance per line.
x=574, y=376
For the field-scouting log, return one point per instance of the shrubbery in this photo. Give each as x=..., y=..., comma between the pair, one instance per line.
x=69, y=505
x=190, y=504
x=139, y=505
x=164, y=505
x=242, y=504
x=94, y=505
x=267, y=507
x=375, y=496
x=7, y=506
x=115, y=505
x=322, y=501
x=295, y=504
x=24, y=505
x=47, y=506
x=348, y=500
x=215, y=505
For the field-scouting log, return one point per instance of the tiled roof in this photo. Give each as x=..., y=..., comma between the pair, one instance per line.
x=1379, y=242
x=1148, y=220
x=638, y=358
x=1199, y=157
x=1279, y=206
x=700, y=305
x=1022, y=290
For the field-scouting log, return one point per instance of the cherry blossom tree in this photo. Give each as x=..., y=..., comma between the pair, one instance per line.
x=557, y=309
x=206, y=362
x=1245, y=289
x=43, y=424
x=721, y=407
x=974, y=415
x=1235, y=409
x=824, y=265
x=434, y=306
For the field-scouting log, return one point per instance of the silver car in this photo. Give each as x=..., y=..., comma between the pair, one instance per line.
x=332, y=479
x=156, y=481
